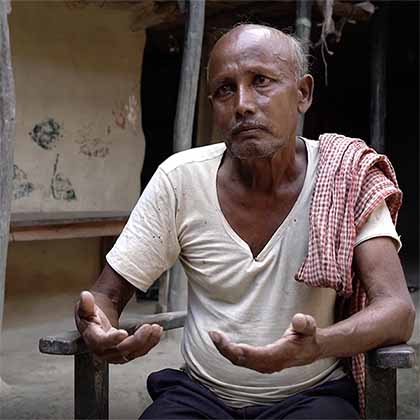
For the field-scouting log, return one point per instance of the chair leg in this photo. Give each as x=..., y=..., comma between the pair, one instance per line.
x=381, y=393
x=90, y=387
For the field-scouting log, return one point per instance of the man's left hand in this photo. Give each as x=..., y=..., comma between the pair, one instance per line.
x=298, y=346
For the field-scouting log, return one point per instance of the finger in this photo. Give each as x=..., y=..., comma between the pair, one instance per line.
x=304, y=324
x=99, y=340
x=146, y=343
x=233, y=352
x=86, y=305
x=141, y=342
x=112, y=356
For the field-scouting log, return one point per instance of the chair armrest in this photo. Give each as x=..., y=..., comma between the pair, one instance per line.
x=71, y=343
x=401, y=356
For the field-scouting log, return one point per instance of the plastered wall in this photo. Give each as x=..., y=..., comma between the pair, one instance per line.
x=44, y=268
x=79, y=140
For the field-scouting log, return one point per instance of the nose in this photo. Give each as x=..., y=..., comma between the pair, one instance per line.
x=245, y=101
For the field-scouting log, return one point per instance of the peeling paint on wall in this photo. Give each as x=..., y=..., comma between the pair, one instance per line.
x=127, y=113
x=119, y=119
x=21, y=186
x=61, y=187
x=132, y=111
x=46, y=133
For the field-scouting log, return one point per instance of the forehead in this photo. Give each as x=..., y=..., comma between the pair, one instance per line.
x=254, y=46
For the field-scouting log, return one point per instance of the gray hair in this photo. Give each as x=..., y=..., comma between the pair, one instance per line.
x=299, y=55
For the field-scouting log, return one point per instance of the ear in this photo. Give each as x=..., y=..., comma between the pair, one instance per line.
x=305, y=91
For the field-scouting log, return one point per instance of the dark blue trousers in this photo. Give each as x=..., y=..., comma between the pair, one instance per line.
x=176, y=396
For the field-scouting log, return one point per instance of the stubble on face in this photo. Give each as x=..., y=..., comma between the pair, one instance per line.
x=236, y=55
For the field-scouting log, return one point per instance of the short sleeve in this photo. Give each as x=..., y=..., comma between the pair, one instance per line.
x=148, y=244
x=379, y=223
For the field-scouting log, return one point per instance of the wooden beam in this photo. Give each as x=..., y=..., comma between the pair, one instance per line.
x=400, y=356
x=70, y=343
x=69, y=231
x=7, y=136
x=66, y=225
x=190, y=70
x=154, y=13
x=184, y=121
x=24, y=219
x=378, y=48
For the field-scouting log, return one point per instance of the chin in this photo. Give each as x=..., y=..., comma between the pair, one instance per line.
x=253, y=149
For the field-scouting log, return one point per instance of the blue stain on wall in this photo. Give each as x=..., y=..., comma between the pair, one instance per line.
x=61, y=188
x=21, y=186
x=46, y=133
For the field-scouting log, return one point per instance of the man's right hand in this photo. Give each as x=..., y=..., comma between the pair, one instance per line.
x=109, y=343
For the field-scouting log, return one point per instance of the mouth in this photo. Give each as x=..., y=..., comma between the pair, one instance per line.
x=247, y=127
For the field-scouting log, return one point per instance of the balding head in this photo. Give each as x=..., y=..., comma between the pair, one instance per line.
x=257, y=88
x=286, y=47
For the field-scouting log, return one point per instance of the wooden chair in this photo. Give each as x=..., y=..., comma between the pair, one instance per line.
x=91, y=374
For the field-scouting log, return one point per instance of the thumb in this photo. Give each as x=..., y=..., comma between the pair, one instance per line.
x=86, y=305
x=304, y=324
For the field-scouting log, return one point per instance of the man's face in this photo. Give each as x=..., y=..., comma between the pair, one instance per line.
x=254, y=91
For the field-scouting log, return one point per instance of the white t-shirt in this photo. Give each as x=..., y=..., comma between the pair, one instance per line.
x=251, y=299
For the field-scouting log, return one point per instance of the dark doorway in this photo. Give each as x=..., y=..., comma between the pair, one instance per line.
x=343, y=107
x=159, y=91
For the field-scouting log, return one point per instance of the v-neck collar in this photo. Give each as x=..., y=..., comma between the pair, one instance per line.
x=280, y=229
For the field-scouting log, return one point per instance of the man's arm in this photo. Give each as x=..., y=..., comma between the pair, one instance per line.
x=97, y=314
x=388, y=319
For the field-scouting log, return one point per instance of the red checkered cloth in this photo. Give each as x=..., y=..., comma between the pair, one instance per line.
x=352, y=179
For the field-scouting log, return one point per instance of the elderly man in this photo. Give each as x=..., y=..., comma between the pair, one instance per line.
x=281, y=238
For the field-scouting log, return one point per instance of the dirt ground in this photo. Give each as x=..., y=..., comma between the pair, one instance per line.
x=38, y=386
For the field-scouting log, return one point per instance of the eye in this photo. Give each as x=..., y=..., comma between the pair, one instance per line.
x=224, y=90
x=261, y=80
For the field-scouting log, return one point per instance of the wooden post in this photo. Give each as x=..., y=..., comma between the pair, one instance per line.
x=378, y=52
x=303, y=32
x=188, y=85
x=91, y=382
x=381, y=394
x=184, y=122
x=7, y=134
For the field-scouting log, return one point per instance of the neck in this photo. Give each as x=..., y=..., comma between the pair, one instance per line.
x=267, y=175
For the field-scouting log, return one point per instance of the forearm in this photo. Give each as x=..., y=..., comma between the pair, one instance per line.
x=385, y=321
x=112, y=292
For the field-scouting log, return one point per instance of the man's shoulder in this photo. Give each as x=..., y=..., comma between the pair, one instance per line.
x=193, y=156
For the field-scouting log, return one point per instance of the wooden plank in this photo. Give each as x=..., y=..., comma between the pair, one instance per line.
x=91, y=387
x=68, y=231
x=401, y=356
x=70, y=342
x=7, y=139
x=66, y=225
x=41, y=218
